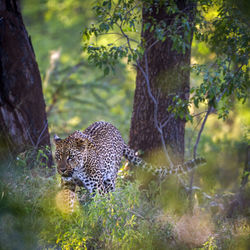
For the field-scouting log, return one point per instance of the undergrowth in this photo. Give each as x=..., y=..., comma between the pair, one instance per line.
x=135, y=216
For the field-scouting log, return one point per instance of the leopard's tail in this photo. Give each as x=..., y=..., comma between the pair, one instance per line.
x=130, y=155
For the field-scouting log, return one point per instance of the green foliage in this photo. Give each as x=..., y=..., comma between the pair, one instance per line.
x=141, y=215
x=227, y=76
x=210, y=244
x=123, y=20
x=21, y=210
x=28, y=209
x=112, y=19
x=105, y=221
x=76, y=93
x=227, y=34
x=132, y=217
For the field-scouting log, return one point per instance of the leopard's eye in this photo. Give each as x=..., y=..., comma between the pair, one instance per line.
x=70, y=157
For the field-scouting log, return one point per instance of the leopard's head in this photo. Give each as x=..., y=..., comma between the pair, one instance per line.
x=71, y=152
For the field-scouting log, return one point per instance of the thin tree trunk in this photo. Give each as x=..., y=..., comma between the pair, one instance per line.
x=23, y=121
x=169, y=76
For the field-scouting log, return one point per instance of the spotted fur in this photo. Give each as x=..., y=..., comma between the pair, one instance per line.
x=66, y=201
x=92, y=158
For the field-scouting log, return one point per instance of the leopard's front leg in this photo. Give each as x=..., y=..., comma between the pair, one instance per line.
x=68, y=183
x=91, y=183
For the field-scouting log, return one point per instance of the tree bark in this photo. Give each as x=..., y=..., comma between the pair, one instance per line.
x=169, y=76
x=23, y=121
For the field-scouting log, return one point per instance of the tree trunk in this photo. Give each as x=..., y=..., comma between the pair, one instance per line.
x=169, y=76
x=23, y=121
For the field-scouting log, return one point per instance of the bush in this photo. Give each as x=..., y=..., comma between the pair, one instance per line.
x=132, y=217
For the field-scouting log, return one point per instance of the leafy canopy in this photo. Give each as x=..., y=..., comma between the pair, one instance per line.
x=226, y=35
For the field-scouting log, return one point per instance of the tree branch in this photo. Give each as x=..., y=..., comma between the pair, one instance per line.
x=210, y=109
x=201, y=130
x=156, y=122
x=145, y=73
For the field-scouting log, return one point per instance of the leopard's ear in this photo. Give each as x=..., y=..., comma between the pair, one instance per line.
x=57, y=139
x=83, y=140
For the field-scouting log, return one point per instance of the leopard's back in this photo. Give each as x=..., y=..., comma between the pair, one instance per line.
x=108, y=143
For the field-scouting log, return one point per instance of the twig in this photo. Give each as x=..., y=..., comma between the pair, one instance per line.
x=128, y=12
x=158, y=127
x=192, y=134
x=113, y=33
x=126, y=36
x=156, y=41
x=41, y=134
x=166, y=122
x=200, y=113
x=194, y=156
x=201, y=130
x=137, y=214
x=24, y=125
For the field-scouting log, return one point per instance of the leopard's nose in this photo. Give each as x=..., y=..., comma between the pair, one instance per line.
x=61, y=168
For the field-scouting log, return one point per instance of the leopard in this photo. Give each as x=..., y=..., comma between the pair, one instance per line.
x=92, y=158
